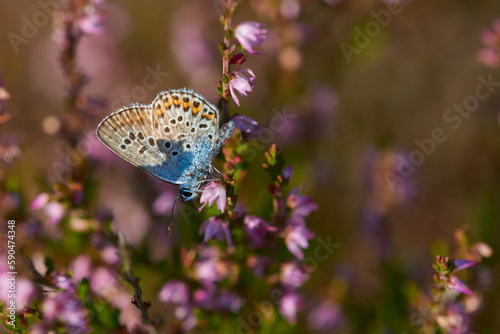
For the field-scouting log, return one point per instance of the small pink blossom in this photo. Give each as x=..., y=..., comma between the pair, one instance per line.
x=292, y=275
x=463, y=264
x=214, y=192
x=302, y=206
x=324, y=318
x=250, y=34
x=216, y=228
x=176, y=292
x=241, y=83
x=245, y=124
x=297, y=236
x=289, y=305
x=256, y=229
x=82, y=268
x=55, y=212
x=39, y=201
x=458, y=285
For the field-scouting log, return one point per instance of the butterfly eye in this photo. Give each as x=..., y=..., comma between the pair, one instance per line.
x=186, y=194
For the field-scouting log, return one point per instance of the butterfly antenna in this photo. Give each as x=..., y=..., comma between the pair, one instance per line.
x=172, y=216
x=218, y=171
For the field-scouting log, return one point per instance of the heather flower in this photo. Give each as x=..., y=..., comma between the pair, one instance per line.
x=296, y=236
x=245, y=124
x=91, y=22
x=26, y=290
x=216, y=228
x=463, y=264
x=66, y=308
x=250, y=34
x=490, y=54
x=54, y=212
x=103, y=282
x=214, y=192
x=302, y=206
x=287, y=173
x=289, y=305
x=82, y=268
x=203, y=299
x=229, y=301
x=241, y=83
x=324, y=317
x=39, y=201
x=64, y=282
x=458, y=285
x=292, y=275
x=175, y=292
x=256, y=229
x=258, y=265
x=211, y=270
x=237, y=59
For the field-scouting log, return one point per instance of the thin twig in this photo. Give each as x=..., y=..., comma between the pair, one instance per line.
x=133, y=280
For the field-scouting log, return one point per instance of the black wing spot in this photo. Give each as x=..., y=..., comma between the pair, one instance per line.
x=172, y=121
x=123, y=147
x=188, y=146
x=186, y=99
x=203, y=126
x=168, y=145
x=166, y=129
x=131, y=135
x=179, y=118
x=187, y=123
x=151, y=141
x=140, y=135
x=193, y=130
x=196, y=104
x=210, y=137
x=174, y=153
x=144, y=148
x=127, y=141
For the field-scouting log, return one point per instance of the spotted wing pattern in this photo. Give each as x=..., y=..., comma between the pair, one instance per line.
x=186, y=127
x=129, y=133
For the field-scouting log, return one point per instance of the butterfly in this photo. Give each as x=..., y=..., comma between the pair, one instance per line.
x=175, y=138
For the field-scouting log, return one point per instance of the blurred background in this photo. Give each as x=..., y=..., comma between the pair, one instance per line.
x=358, y=103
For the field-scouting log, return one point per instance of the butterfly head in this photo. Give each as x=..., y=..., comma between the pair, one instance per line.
x=187, y=192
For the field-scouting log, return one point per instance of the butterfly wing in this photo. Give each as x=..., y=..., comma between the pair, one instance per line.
x=129, y=133
x=187, y=127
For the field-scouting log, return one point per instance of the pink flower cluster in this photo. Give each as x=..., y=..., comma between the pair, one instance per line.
x=248, y=35
x=490, y=54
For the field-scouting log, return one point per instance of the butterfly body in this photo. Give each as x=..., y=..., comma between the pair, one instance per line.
x=174, y=138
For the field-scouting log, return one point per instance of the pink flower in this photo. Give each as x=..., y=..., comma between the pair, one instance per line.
x=325, y=317
x=214, y=191
x=26, y=290
x=458, y=285
x=39, y=201
x=176, y=292
x=245, y=124
x=65, y=307
x=257, y=229
x=296, y=236
x=302, y=206
x=289, y=305
x=241, y=83
x=55, y=212
x=82, y=268
x=463, y=264
x=216, y=228
x=249, y=34
x=293, y=276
